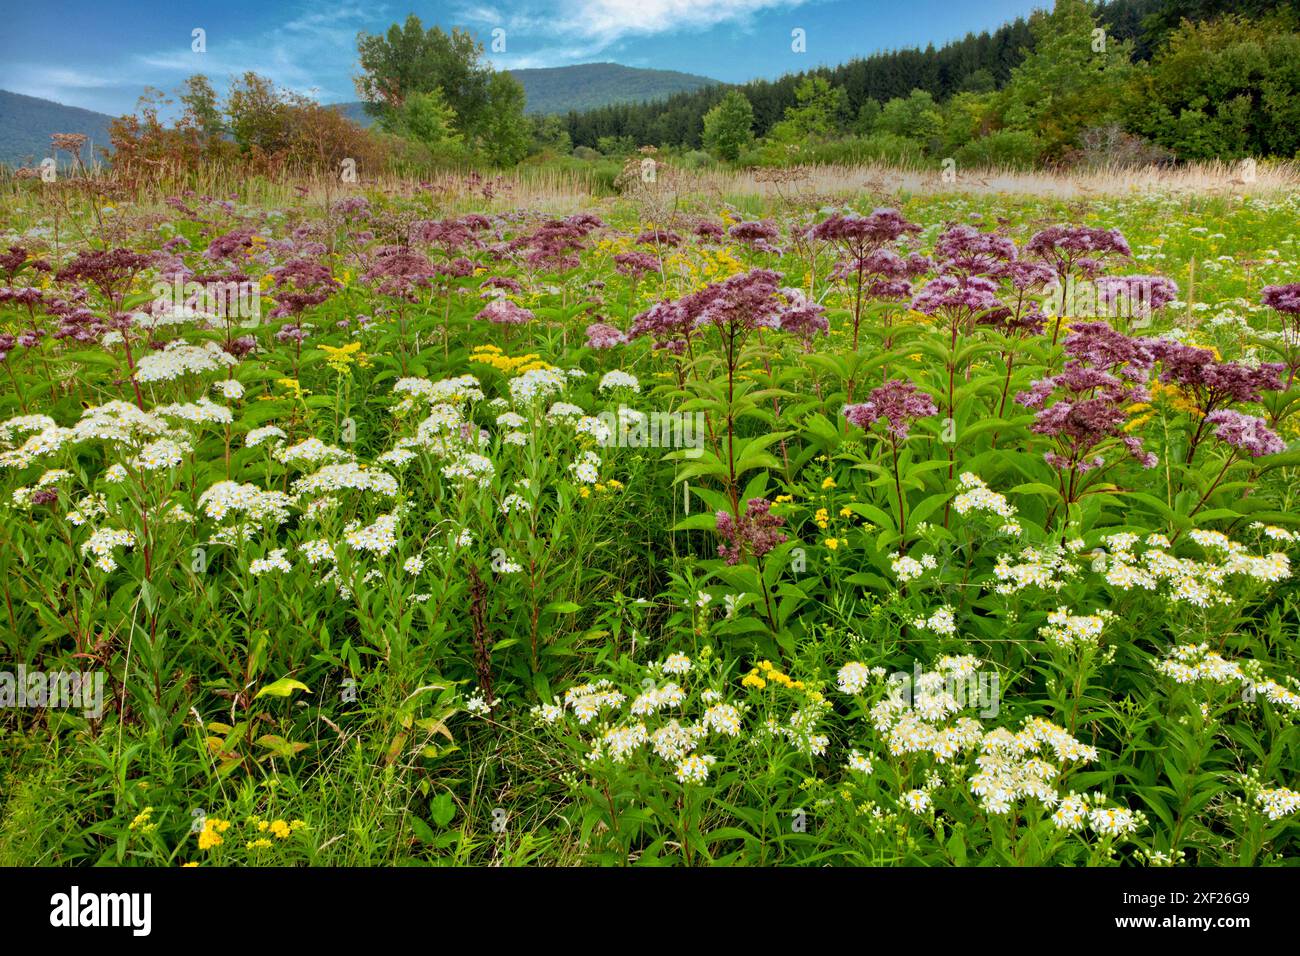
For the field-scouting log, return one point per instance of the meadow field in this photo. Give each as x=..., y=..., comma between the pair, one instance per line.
x=832, y=516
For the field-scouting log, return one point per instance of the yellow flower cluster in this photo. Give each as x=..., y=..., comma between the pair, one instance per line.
x=493, y=356
x=142, y=821
x=1172, y=395
x=278, y=828
x=210, y=835
x=768, y=673
x=340, y=358
x=293, y=386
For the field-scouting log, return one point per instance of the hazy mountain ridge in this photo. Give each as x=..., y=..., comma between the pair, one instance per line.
x=27, y=122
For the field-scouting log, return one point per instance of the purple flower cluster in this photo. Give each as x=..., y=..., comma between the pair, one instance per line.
x=760, y=235
x=399, y=272
x=963, y=250
x=884, y=272
x=957, y=296
x=230, y=245
x=1077, y=248
x=741, y=302
x=755, y=532
x=636, y=264
x=897, y=401
x=659, y=237
x=555, y=244
x=859, y=234
x=299, y=284
x=111, y=271
x=667, y=323
x=1139, y=295
x=600, y=335
x=504, y=312
x=1283, y=298
x=1211, y=383
x=1245, y=432
x=803, y=317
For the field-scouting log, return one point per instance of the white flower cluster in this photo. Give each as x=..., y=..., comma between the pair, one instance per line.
x=1278, y=802
x=310, y=451
x=180, y=358
x=1012, y=768
x=1186, y=580
x=974, y=495
x=259, y=436
x=230, y=497
x=536, y=385
x=204, y=411
x=618, y=379
x=940, y=622
x=453, y=391
x=103, y=542
x=275, y=561
x=1068, y=630
x=587, y=468
x=379, y=538
x=906, y=568
x=1197, y=664
x=1035, y=567
x=346, y=476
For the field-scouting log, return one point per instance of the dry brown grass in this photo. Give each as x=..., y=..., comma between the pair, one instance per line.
x=560, y=190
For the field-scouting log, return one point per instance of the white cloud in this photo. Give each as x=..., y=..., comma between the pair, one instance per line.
x=584, y=29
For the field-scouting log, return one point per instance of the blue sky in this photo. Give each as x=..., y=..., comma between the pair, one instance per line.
x=100, y=54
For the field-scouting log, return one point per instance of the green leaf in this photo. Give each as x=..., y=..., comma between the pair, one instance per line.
x=283, y=688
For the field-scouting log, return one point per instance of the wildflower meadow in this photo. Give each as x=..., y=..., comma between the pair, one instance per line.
x=375, y=527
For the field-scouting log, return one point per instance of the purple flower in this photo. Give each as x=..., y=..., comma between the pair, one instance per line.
x=1100, y=346
x=230, y=245
x=754, y=233
x=862, y=232
x=1066, y=245
x=1213, y=384
x=967, y=251
x=505, y=312
x=400, y=272
x=1283, y=298
x=667, y=323
x=745, y=301
x=603, y=336
x=1137, y=295
x=636, y=264
x=299, y=284
x=502, y=282
x=1245, y=432
x=354, y=207
x=658, y=237
x=803, y=317
x=897, y=401
x=755, y=531
x=957, y=296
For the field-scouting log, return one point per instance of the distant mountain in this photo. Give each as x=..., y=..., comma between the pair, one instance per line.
x=559, y=89
x=27, y=122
